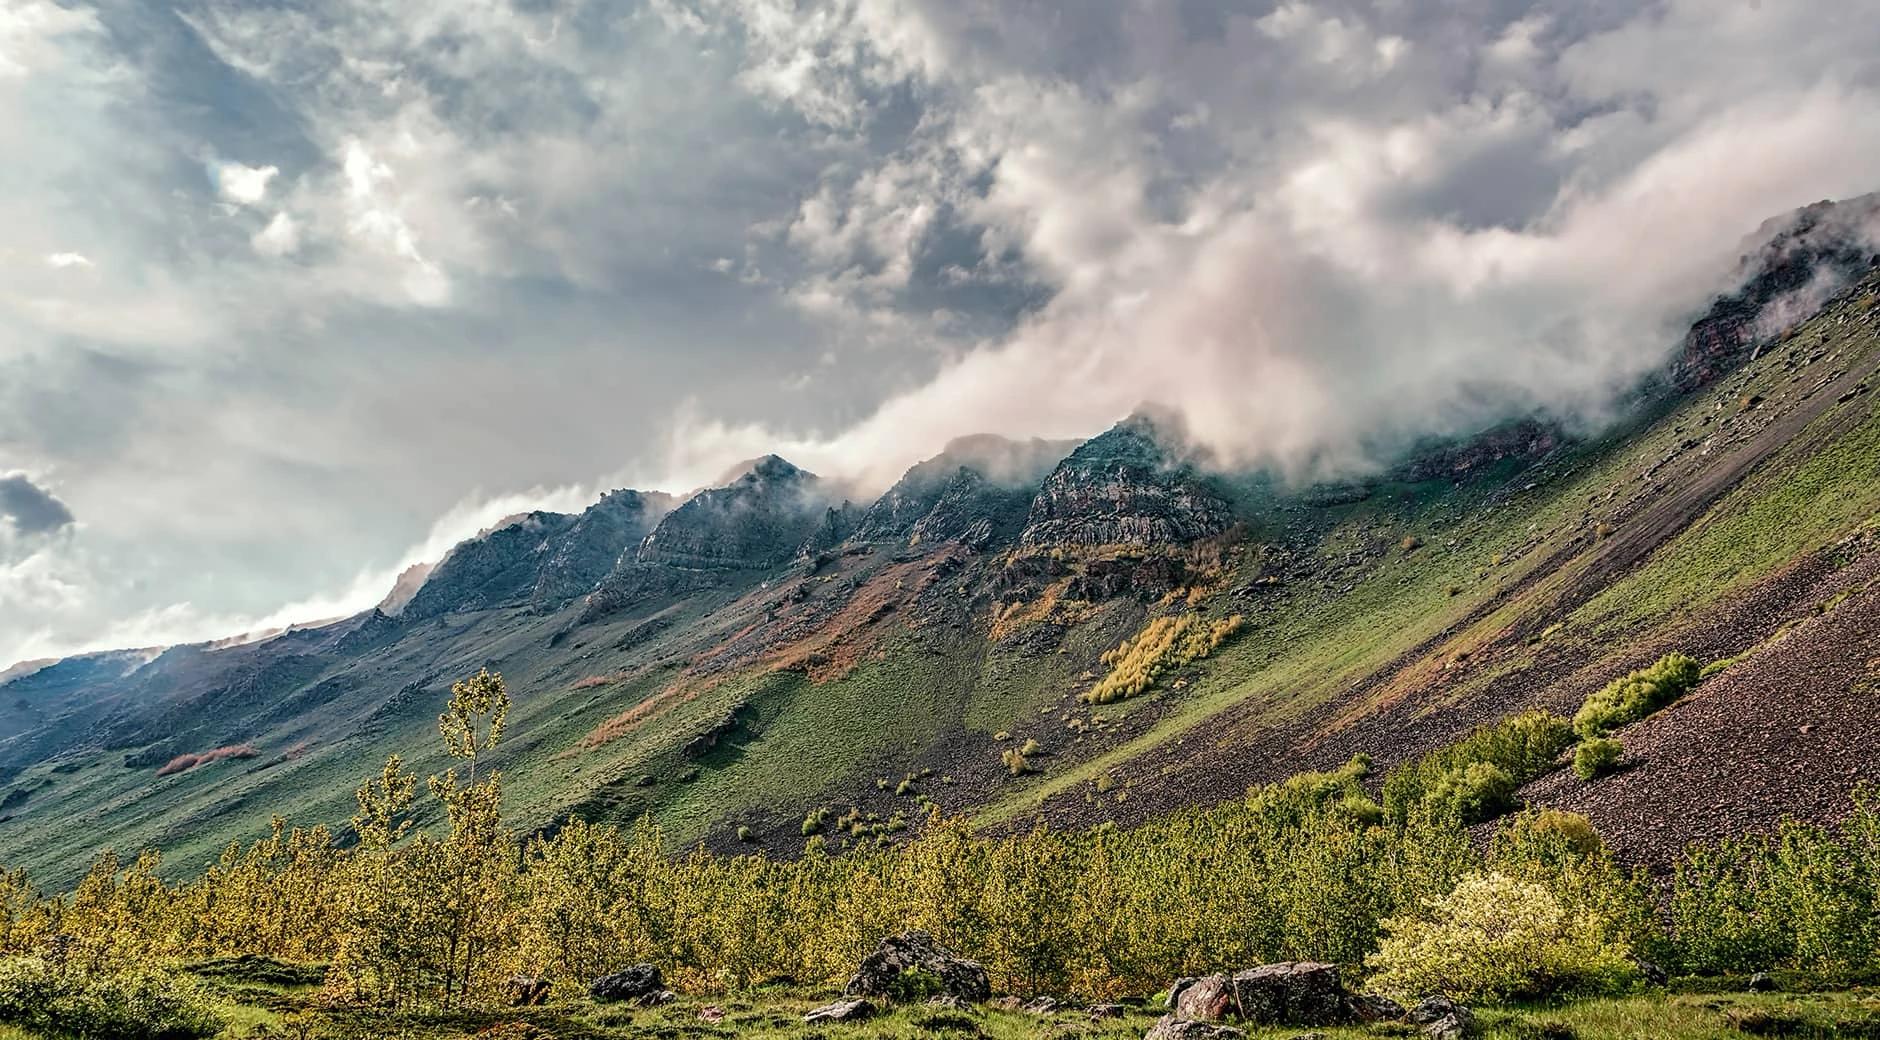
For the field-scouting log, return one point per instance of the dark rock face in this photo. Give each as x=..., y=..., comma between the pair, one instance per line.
x=1793, y=265
x=1295, y=993
x=881, y=972
x=1526, y=439
x=587, y=552
x=496, y=568
x=976, y=492
x=756, y=522
x=634, y=983
x=841, y=1011
x=1125, y=487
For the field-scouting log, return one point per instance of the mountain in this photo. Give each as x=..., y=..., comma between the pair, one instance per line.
x=767, y=647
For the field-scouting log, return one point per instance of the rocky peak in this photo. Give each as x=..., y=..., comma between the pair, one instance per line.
x=495, y=568
x=976, y=491
x=1791, y=266
x=1133, y=485
x=758, y=520
x=579, y=558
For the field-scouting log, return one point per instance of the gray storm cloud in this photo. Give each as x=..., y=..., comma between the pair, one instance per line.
x=409, y=259
x=29, y=508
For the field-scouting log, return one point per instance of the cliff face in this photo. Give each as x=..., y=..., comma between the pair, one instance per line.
x=1793, y=265
x=755, y=522
x=497, y=568
x=577, y=560
x=977, y=493
x=1125, y=487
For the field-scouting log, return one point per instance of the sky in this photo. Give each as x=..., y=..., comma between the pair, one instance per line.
x=294, y=294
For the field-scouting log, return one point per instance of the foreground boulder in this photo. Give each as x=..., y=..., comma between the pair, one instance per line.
x=914, y=965
x=635, y=983
x=841, y=1011
x=1294, y=993
x=1168, y=1027
x=1209, y=998
x=1441, y=1018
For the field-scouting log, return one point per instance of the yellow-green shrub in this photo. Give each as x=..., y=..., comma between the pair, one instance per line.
x=1631, y=697
x=1596, y=756
x=1163, y=645
x=1495, y=938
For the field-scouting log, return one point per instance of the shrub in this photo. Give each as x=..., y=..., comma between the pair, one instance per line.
x=1474, y=792
x=1031, y=747
x=1015, y=763
x=815, y=821
x=745, y=833
x=1163, y=645
x=1303, y=794
x=1630, y=698
x=1596, y=757
x=129, y=1005
x=1523, y=746
x=906, y=788
x=1494, y=938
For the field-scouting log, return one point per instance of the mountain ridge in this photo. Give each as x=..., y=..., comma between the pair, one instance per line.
x=852, y=644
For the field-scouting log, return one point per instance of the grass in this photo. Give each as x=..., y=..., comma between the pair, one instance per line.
x=777, y=1013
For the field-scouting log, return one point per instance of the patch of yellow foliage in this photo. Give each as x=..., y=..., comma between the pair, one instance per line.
x=1163, y=645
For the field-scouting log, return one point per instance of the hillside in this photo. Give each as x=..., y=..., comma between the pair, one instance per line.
x=767, y=648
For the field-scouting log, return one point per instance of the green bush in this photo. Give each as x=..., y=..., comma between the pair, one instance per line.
x=1523, y=746
x=1597, y=756
x=1495, y=938
x=128, y=1005
x=1630, y=698
x=1474, y=792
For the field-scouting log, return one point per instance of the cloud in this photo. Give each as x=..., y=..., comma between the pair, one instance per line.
x=29, y=508
x=444, y=247
x=246, y=185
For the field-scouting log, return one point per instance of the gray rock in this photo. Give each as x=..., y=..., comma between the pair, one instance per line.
x=1098, y=1012
x=1762, y=982
x=1041, y=1005
x=1369, y=1007
x=1294, y=993
x=841, y=1011
x=881, y=972
x=1168, y=1027
x=1209, y=998
x=1441, y=1018
x=633, y=983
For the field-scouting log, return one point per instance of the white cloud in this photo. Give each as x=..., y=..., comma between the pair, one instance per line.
x=67, y=260
x=281, y=236
x=246, y=185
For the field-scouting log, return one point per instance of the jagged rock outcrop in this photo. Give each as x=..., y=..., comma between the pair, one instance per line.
x=978, y=492
x=755, y=522
x=1455, y=460
x=1794, y=264
x=497, y=568
x=1129, y=486
x=588, y=551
